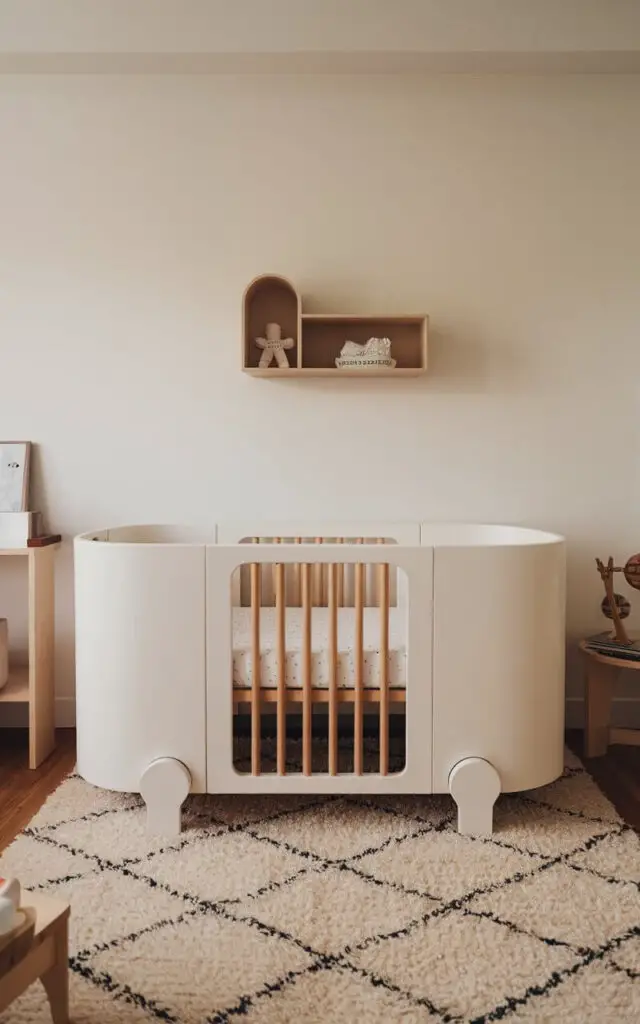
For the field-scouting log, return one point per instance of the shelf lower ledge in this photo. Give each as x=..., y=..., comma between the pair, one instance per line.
x=17, y=688
x=626, y=736
x=328, y=371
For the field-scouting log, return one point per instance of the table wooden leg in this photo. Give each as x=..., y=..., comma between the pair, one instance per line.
x=56, y=979
x=600, y=684
x=41, y=655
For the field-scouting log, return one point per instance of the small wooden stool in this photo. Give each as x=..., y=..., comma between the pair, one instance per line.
x=39, y=952
x=602, y=671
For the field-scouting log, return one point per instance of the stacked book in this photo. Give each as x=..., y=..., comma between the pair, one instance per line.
x=605, y=643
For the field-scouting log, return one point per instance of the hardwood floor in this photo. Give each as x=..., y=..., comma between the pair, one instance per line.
x=617, y=774
x=22, y=792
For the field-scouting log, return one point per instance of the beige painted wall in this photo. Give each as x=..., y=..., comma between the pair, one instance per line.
x=134, y=210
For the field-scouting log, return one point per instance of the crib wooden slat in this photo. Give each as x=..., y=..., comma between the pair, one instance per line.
x=340, y=540
x=377, y=601
x=360, y=540
x=256, y=582
x=383, y=586
x=281, y=708
x=306, y=669
x=333, y=669
x=359, y=667
x=318, y=588
x=297, y=599
x=254, y=540
x=274, y=573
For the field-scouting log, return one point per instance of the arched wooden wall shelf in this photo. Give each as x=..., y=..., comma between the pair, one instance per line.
x=270, y=299
x=319, y=337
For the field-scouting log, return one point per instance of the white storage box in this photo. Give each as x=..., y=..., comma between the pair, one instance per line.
x=16, y=528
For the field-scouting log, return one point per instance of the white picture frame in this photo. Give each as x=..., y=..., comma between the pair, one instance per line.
x=15, y=459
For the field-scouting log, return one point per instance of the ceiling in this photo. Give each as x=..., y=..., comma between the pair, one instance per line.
x=356, y=36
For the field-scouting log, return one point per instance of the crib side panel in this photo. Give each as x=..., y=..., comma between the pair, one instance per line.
x=140, y=665
x=416, y=565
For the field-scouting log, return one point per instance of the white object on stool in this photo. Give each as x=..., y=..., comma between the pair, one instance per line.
x=9, y=903
x=164, y=787
x=474, y=784
x=274, y=345
x=4, y=653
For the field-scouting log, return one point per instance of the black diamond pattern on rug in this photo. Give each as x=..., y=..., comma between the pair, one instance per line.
x=290, y=909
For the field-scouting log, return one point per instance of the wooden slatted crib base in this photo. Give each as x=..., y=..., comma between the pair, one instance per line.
x=306, y=585
x=318, y=750
x=344, y=695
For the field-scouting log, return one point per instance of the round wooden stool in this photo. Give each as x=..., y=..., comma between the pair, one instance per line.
x=39, y=949
x=602, y=671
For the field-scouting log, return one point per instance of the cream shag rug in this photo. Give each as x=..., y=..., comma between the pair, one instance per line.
x=341, y=909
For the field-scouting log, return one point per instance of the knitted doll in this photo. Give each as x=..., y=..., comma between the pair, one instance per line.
x=274, y=345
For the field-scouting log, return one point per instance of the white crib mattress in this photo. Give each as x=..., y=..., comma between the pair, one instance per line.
x=242, y=657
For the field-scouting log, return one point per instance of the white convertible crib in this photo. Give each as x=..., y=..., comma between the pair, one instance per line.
x=337, y=634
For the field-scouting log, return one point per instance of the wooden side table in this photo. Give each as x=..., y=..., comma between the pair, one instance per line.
x=46, y=958
x=33, y=684
x=602, y=671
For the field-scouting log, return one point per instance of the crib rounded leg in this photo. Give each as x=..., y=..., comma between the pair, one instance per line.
x=164, y=786
x=474, y=784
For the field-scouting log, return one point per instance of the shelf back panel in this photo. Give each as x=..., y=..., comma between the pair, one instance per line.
x=322, y=339
x=270, y=300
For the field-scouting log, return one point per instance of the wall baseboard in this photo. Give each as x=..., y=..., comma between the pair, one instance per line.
x=65, y=712
x=625, y=713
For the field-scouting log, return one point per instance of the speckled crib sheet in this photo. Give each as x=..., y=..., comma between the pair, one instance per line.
x=242, y=657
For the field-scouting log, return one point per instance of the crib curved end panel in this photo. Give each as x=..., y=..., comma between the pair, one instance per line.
x=499, y=660
x=140, y=666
